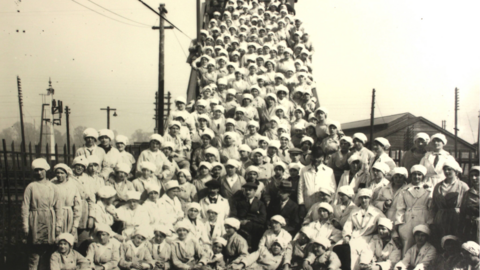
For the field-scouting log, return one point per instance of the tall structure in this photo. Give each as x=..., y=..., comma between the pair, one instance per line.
x=48, y=120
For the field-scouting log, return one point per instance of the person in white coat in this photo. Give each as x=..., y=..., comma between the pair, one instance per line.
x=359, y=141
x=132, y=214
x=197, y=227
x=215, y=226
x=277, y=223
x=412, y=207
x=170, y=205
x=312, y=178
x=90, y=148
x=419, y=256
x=112, y=156
x=153, y=155
x=434, y=160
x=386, y=198
x=212, y=198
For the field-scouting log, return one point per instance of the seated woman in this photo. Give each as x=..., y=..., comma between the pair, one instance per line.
x=321, y=257
x=471, y=253
x=277, y=223
x=451, y=255
x=323, y=226
x=264, y=258
x=420, y=255
x=103, y=211
x=300, y=247
x=237, y=246
x=132, y=214
x=203, y=177
x=104, y=253
x=188, y=192
x=159, y=248
x=230, y=147
x=197, y=228
x=151, y=205
x=146, y=178
x=215, y=226
x=186, y=251
x=216, y=261
x=134, y=254
x=66, y=257
x=386, y=198
x=385, y=252
x=170, y=204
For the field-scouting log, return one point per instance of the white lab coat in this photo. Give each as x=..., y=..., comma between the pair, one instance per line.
x=435, y=173
x=311, y=181
x=222, y=202
x=132, y=218
x=171, y=210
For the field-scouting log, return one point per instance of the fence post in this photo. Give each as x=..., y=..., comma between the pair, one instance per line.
x=31, y=159
x=65, y=155
x=56, y=154
x=47, y=155
x=14, y=168
x=73, y=151
x=6, y=184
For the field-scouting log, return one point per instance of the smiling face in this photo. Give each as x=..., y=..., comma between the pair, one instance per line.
x=137, y=240
x=417, y=178
x=63, y=247
x=159, y=237
x=90, y=141
x=154, y=145
x=318, y=249
x=104, y=141
x=182, y=233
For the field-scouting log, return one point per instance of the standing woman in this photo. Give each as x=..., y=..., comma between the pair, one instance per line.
x=446, y=201
x=469, y=209
x=69, y=199
x=415, y=155
x=434, y=160
x=386, y=198
x=90, y=148
x=412, y=207
x=380, y=146
x=154, y=155
x=40, y=211
x=124, y=156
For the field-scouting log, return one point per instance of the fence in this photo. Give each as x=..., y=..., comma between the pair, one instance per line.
x=15, y=174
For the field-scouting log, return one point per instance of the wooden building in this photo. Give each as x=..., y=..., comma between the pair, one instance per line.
x=400, y=129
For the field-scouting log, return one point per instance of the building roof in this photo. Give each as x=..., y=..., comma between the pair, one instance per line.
x=376, y=121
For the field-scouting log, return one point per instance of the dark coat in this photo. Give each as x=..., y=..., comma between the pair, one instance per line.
x=289, y=212
x=241, y=209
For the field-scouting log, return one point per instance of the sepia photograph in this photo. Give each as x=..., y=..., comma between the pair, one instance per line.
x=239, y=134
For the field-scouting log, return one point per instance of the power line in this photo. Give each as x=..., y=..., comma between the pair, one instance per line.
x=106, y=15
x=183, y=50
x=117, y=13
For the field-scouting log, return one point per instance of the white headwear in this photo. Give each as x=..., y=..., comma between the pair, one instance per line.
x=106, y=132
x=421, y=228
x=419, y=168
x=383, y=142
x=233, y=222
x=361, y=137
x=171, y=184
x=422, y=135
x=321, y=240
x=219, y=240
x=67, y=237
x=148, y=165
x=441, y=137
x=448, y=237
x=156, y=137
x=40, y=163
x=133, y=195
x=365, y=192
x=106, y=192
x=90, y=132
x=347, y=190
x=385, y=222
x=450, y=162
x=279, y=219
x=472, y=248
x=399, y=170
x=384, y=168
x=123, y=167
x=121, y=139
x=326, y=206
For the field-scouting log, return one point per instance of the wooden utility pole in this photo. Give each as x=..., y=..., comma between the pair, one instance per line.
x=199, y=18
x=20, y=105
x=456, y=119
x=67, y=113
x=372, y=116
x=108, y=109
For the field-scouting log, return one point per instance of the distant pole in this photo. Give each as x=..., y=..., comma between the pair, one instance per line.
x=199, y=19
x=478, y=136
x=372, y=116
x=456, y=120
x=108, y=109
x=67, y=113
x=20, y=105
x=161, y=71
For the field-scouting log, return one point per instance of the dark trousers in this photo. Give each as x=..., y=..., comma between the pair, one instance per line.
x=343, y=253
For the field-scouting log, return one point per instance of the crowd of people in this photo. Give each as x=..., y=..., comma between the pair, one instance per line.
x=253, y=175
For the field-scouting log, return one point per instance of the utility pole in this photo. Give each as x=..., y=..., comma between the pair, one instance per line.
x=372, y=116
x=67, y=113
x=478, y=136
x=20, y=105
x=108, y=109
x=457, y=103
x=161, y=65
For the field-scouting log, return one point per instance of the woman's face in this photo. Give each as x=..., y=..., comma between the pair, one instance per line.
x=383, y=232
x=193, y=213
x=283, y=142
x=212, y=216
x=172, y=193
x=398, y=180
x=474, y=180
x=239, y=115
x=270, y=102
x=378, y=148
x=318, y=249
x=355, y=166
x=358, y=144
x=90, y=141
x=206, y=140
x=306, y=146
x=216, y=171
x=298, y=114
x=276, y=249
x=321, y=116
x=167, y=151
x=121, y=147
x=204, y=171
x=229, y=230
x=417, y=178
x=230, y=169
x=105, y=141
x=230, y=127
x=137, y=240
x=293, y=172
x=228, y=141
x=252, y=130
x=246, y=102
x=173, y=130
x=63, y=247
x=211, y=158
x=252, y=176
x=154, y=145
x=92, y=168
x=286, y=56
x=153, y=196
x=121, y=176
x=181, y=178
x=420, y=238
x=281, y=95
x=182, y=233
x=61, y=175
x=344, y=199
x=279, y=171
x=364, y=201
x=273, y=124
x=146, y=173
x=217, y=114
x=333, y=130
x=103, y=237
x=377, y=174
x=39, y=174
x=449, y=172
x=276, y=226
x=159, y=237
x=279, y=113
x=132, y=204
x=438, y=144
x=323, y=214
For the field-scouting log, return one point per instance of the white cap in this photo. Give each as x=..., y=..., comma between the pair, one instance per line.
x=171, y=184
x=365, y=192
x=419, y=168
x=148, y=165
x=326, y=206
x=106, y=132
x=219, y=240
x=347, y=190
x=383, y=142
x=384, y=168
x=90, y=132
x=233, y=222
x=40, y=163
x=122, y=139
x=399, y=170
x=422, y=135
x=421, y=228
x=472, y=248
x=353, y=158
x=156, y=137
x=361, y=137
x=106, y=192
x=321, y=240
x=123, y=167
x=133, y=195
x=67, y=237
x=279, y=219
x=385, y=222
x=441, y=137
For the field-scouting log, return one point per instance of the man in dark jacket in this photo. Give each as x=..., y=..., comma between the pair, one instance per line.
x=251, y=212
x=286, y=207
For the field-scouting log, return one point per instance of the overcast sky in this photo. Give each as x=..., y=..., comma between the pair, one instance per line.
x=414, y=53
